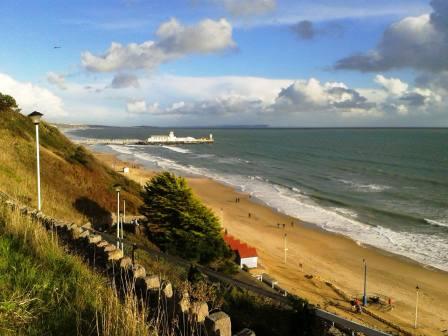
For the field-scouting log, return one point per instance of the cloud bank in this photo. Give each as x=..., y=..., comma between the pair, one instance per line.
x=419, y=42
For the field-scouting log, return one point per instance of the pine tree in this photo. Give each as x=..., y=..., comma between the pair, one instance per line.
x=179, y=223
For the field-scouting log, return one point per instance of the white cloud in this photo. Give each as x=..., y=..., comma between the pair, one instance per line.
x=393, y=86
x=403, y=100
x=57, y=80
x=138, y=106
x=174, y=41
x=311, y=96
x=419, y=42
x=31, y=97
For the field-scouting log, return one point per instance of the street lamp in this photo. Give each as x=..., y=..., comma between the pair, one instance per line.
x=416, y=306
x=285, y=247
x=364, y=298
x=117, y=189
x=35, y=117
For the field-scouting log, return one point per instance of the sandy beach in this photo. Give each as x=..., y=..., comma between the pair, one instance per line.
x=316, y=257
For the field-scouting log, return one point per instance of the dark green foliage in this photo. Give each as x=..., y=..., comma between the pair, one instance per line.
x=79, y=155
x=267, y=318
x=179, y=223
x=8, y=103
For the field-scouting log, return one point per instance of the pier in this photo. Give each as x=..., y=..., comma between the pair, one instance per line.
x=170, y=139
x=88, y=141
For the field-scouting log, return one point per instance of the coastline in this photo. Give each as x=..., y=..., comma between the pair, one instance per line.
x=317, y=256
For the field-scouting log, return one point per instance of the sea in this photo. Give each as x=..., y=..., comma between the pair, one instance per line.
x=386, y=188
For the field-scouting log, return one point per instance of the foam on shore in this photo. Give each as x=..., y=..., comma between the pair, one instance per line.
x=425, y=248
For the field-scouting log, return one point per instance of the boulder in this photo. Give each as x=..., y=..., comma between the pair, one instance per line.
x=114, y=255
x=218, y=324
x=167, y=289
x=245, y=332
x=199, y=310
x=93, y=239
x=152, y=282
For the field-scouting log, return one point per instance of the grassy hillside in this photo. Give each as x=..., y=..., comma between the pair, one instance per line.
x=45, y=291
x=75, y=186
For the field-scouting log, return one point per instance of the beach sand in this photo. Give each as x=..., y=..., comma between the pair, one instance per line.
x=316, y=257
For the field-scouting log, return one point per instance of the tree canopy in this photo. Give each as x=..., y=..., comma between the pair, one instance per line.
x=179, y=223
x=8, y=102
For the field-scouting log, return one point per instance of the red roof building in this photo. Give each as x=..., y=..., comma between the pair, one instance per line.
x=247, y=255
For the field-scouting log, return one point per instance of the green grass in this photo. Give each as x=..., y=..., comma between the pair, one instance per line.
x=45, y=291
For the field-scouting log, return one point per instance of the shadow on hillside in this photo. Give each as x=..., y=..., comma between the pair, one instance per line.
x=100, y=217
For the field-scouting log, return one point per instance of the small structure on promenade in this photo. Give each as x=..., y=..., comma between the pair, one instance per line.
x=125, y=170
x=172, y=139
x=247, y=255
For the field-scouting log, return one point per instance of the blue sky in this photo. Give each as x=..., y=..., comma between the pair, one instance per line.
x=199, y=62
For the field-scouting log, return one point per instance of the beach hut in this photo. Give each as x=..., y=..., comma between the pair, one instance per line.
x=247, y=255
x=126, y=170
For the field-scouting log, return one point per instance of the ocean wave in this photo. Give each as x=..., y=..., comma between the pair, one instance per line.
x=365, y=187
x=424, y=248
x=121, y=149
x=177, y=149
x=345, y=212
x=442, y=223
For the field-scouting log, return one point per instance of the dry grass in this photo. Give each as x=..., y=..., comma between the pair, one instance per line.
x=68, y=172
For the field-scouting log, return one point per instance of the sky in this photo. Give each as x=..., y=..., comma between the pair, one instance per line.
x=283, y=63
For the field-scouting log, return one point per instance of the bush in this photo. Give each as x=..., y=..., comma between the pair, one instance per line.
x=179, y=223
x=8, y=103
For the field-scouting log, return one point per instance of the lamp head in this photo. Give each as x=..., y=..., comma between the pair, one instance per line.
x=117, y=188
x=35, y=117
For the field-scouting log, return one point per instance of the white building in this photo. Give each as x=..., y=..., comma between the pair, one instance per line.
x=171, y=138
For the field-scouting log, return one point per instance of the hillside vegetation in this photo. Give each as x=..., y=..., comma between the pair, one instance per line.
x=75, y=185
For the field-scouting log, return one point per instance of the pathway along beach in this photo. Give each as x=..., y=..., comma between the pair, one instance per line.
x=316, y=256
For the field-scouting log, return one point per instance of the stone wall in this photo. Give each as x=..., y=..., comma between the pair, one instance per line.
x=155, y=292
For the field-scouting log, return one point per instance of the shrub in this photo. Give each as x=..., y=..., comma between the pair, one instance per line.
x=8, y=103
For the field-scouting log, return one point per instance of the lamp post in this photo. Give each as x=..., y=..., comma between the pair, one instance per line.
x=35, y=117
x=124, y=211
x=416, y=306
x=286, y=248
x=123, y=220
x=117, y=189
x=364, y=298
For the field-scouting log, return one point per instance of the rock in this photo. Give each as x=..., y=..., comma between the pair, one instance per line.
x=138, y=271
x=87, y=226
x=152, y=282
x=125, y=263
x=84, y=234
x=184, y=303
x=245, y=332
x=114, y=255
x=109, y=248
x=93, y=239
x=218, y=324
x=167, y=289
x=199, y=310
x=102, y=243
